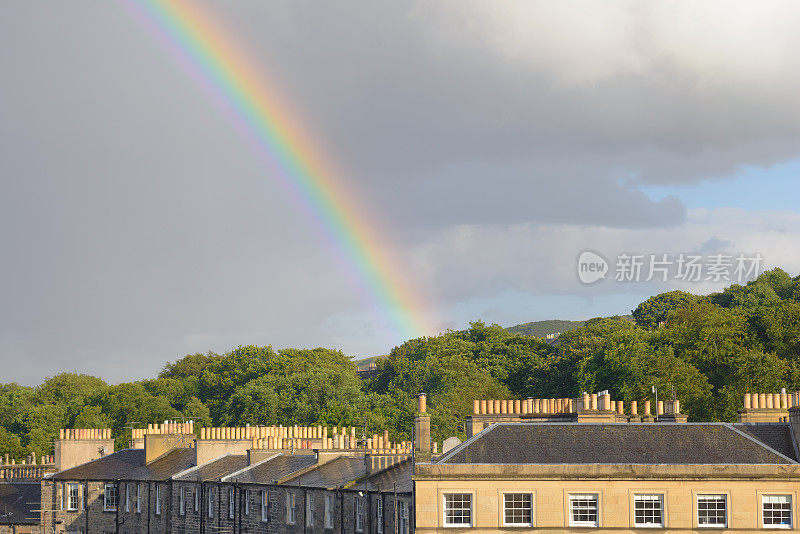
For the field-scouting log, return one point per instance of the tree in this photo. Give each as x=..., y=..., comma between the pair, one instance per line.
x=654, y=311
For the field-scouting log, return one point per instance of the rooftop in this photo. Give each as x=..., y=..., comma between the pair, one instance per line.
x=128, y=464
x=272, y=469
x=215, y=469
x=19, y=502
x=625, y=443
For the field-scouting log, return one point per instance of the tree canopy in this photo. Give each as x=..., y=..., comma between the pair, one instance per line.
x=708, y=350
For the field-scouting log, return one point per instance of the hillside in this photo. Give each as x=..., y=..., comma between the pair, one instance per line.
x=544, y=328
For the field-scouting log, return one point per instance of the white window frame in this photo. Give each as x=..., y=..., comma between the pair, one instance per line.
x=291, y=508
x=524, y=494
x=446, y=509
x=264, y=506
x=109, y=497
x=138, y=498
x=329, y=507
x=716, y=498
x=182, y=501
x=379, y=516
x=648, y=498
x=584, y=497
x=359, y=509
x=405, y=521
x=158, y=499
x=247, y=502
x=764, y=500
x=210, y=501
x=77, y=501
x=127, y=497
x=231, y=503
x=197, y=498
x=309, y=509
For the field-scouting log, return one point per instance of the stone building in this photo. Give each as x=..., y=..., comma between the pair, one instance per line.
x=569, y=465
x=225, y=481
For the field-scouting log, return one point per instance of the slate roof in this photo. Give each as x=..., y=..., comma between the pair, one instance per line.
x=128, y=464
x=395, y=478
x=610, y=443
x=216, y=469
x=267, y=472
x=19, y=502
x=775, y=435
x=332, y=474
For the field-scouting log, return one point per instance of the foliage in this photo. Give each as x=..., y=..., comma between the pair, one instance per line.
x=708, y=350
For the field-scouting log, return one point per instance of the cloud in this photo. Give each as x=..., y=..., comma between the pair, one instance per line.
x=493, y=141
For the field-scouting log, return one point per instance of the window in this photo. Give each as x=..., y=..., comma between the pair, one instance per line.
x=73, y=497
x=712, y=510
x=517, y=509
x=309, y=509
x=329, y=511
x=404, y=521
x=457, y=509
x=583, y=510
x=359, y=514
x=127, y=497
x=197, y=499
x=291, y=508
x=379, y=517
x=648, y=510
x=158, y=499
x=62, y=497
x=777, y=510
x=138, y=498
x=231, y=503
x=182, y=501
x=110, y=497
x=210, y=502
x=264, y=506
x=246, y=502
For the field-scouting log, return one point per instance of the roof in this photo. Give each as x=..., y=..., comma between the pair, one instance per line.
x=273, y=469
x=614, y=443
x=394, y=478
x=332, y=474
x=19, y=502
x=215, y=469
x=777, y=436
x=128, y=464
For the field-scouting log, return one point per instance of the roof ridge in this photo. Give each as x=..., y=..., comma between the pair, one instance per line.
x=759, y=442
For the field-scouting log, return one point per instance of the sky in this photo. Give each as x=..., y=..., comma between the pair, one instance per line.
x=491, y=144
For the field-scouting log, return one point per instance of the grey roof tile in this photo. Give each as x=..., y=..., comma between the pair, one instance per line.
x=777, y=436
x=573, y=443
x=269, y=471
x=19, y=502
x=128, y=464
x=216, y=469
x=332, y=474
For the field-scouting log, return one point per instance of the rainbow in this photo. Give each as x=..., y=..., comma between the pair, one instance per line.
x=265, y=120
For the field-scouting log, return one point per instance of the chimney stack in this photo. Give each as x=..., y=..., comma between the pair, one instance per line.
x=422, y=427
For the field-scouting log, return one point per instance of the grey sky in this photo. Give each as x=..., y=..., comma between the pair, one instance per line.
x=494, y=141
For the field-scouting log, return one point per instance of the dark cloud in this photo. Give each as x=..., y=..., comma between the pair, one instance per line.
x=137, y=224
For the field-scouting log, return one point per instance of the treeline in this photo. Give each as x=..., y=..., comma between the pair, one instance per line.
x=709, y=350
